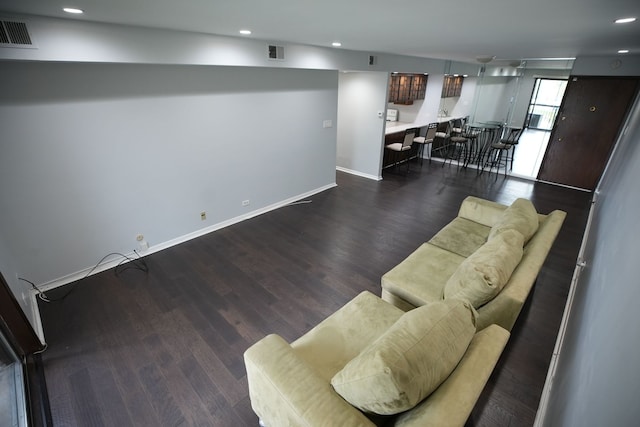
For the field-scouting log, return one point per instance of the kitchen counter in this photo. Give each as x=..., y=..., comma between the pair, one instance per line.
x=394, y=132
x=395, y=127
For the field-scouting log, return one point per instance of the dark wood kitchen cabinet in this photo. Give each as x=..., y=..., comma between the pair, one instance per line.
x=452, y=86
x=406, y=88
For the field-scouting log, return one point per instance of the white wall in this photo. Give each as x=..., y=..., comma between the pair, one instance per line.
x=97, y=153
x=620, y=65
x=463, y=105
x=93, y=154
x=83, y=41
x=492, y=95
x=360, y=136
x=597, y=381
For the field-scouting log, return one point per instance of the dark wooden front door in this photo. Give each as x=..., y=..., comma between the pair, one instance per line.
x=591, y=114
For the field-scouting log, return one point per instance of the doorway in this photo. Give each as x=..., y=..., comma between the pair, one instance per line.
x=542, y=111
x=544, y=103
x=591, y=116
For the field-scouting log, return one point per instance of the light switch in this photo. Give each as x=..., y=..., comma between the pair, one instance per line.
x=327, y=124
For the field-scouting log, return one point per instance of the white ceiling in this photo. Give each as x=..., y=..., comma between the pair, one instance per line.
x=447, y=29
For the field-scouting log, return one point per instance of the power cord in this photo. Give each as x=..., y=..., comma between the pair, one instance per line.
x=135, y=263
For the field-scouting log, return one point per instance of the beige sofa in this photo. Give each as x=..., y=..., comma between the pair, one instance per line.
x=422, y=276
x=422, y=354
x=290, y=384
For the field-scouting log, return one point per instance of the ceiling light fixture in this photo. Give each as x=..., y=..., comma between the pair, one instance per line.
x=623, y=51
x=485, y=59
x=245, y=32
x=336, y=44
x=73, y=10
x=624, y=20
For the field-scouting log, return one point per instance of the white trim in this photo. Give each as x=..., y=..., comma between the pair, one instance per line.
x=553, y=364
x=364, y=175
x=169, y=243
x=35, y=311
x=564, y=185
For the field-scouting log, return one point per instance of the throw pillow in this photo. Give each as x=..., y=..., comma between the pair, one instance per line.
x=520, y=216
x=408, y=362
x=480, y=277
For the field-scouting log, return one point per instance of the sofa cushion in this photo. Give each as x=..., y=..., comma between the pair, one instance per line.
x=410, y=360
x=420, y=278
x=520, y=216
x=483, y=275
x=331, y=344
x=461, y=236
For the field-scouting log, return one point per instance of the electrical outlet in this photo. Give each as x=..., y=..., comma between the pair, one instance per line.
x=245, y=203
x=142, y=244
x=203, y=215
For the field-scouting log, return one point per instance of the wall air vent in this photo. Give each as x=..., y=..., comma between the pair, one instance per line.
x=14, y=34
x=275, y=52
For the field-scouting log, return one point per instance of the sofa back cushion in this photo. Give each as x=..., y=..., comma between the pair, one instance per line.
x=520, y=216
x=408, y=362
x=484, y=273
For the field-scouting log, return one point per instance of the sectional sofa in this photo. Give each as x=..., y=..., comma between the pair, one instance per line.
x=422, y=354
x=423, y=276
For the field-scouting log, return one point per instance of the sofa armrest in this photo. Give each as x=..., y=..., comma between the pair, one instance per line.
x=286, y=391
x=451, y=404
x=482, y=211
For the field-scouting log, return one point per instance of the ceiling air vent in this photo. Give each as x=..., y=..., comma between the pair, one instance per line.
x=275, y=52
x=14, y=34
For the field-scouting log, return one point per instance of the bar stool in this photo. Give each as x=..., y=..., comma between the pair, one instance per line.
x=426, y=139
x=397, y=148
x=502, y=151
x=441, y=143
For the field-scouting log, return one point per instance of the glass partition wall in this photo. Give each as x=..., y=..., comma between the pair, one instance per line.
x=522, y=94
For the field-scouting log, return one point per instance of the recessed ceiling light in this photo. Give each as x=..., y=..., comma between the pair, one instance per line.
x=73, y=10
x=623, y=51
x=624, y=20
x=245, y=32
x=336, y=44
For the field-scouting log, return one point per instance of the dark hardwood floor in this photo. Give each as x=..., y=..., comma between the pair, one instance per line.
x=164, y=348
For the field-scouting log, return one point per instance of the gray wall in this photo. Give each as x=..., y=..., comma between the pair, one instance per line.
x=597, y=381
x=362, y=95
x=98, y=152
x=93, y=154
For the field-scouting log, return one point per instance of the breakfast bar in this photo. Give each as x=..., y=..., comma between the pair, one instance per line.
x=394, y=132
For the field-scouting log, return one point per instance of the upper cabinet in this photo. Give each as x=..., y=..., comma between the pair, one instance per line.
x=452, y=86
x=406, y=88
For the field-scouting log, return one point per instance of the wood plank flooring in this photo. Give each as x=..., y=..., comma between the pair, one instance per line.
x=164, y=348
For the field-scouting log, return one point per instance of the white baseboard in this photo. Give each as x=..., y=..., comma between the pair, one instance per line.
x=110, y=263
x=364, y=175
